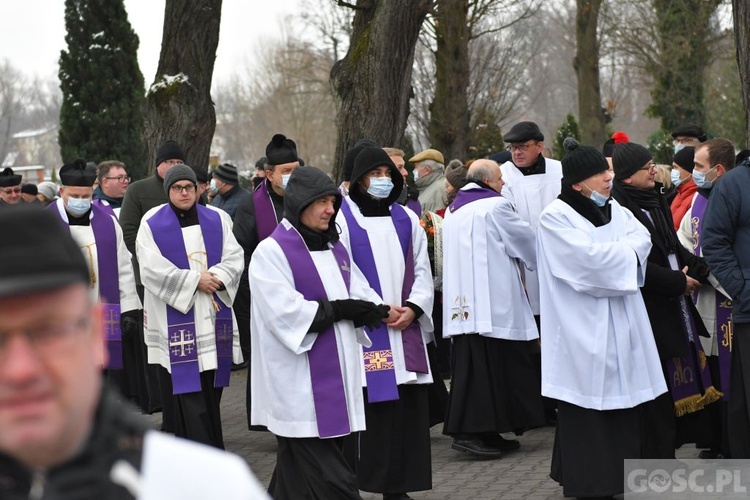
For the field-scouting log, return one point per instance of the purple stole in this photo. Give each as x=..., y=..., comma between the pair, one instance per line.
x=380, y=372
x=414, y=206
x=181, y=334
x=466, y=196
x=105, y=236
x=265, y=213
x=104, y=206
x=723, y=304
x=329, y=396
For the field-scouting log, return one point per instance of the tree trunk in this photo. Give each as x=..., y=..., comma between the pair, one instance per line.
x=591, y=116
x=178, y=105
x=372, y=83
x=741, y=13
x=449, y=110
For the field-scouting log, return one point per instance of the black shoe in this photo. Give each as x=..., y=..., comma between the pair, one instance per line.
x=499, y=442
x=476, y=447
x=240, y=366
x=710, y=454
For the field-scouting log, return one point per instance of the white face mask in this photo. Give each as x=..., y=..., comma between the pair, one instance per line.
x=78, y=206
x=285, y=181
x=213, y=187
x=380, y=187
x=415, y=173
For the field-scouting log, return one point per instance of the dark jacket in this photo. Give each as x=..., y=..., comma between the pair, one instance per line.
x=726, y=238
x=245, y=228
x=117, y=435
x=664, y=286
x=140, y=197
x=231, y=200
x=113, y=202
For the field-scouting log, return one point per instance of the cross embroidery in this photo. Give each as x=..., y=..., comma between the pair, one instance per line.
x=378, y=360
x=110, y=323
x=346, y=268
x=182, y=343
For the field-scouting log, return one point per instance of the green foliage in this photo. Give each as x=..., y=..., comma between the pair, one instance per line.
x=569, y=128
x=724, y=116
x=487, y=139
x=661, y=147
x=102, y=86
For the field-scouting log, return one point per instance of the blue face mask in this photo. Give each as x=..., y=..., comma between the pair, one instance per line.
x=380, y=187
x=78, y=206
x=285, y=181
x=415, y=172
x=678, y=147
x=213, y=187
x=675, y=177
x=599, y=199
x=700, y=179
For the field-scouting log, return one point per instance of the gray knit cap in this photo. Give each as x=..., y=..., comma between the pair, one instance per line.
x=179, y=172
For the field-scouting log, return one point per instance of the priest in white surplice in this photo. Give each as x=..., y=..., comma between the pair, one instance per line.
x=598, y=351
x=309, y=304
x=390, y=248
x=487, y=248
x=190, y=268
x=111, y=278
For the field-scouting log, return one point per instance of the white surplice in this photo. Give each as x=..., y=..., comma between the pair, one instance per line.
x=530, y=194
x=165, y=284
x=485, y=246
x=280, y=320
x=84, y=237
x=390, y=265
x=598, y=349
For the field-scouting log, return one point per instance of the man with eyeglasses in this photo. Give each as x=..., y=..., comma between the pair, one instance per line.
x=687, y=134
x=10, y=187
x=190, y=266
x=111, y=280
x=63, y=433
x=140, y=197
x=672, y=275
x=113, y=182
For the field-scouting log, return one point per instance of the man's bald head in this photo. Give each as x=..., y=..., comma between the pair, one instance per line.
x=486, y=171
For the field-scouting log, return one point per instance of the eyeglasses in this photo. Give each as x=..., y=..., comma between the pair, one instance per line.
x=521, y=147
x=649, y=166
x=47, y=340
x=15, y=190
x=189, y=188
x=119, y=178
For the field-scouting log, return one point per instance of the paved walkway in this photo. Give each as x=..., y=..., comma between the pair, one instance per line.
x=522, y=474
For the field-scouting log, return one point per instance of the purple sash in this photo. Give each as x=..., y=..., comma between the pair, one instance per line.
x=466, y=196
x=696, y=221
x=329, y=396
x=105, y=237
x=104, y=206
x=181, y=334
x=265, y=213
x=414, y=206
x=379, y=368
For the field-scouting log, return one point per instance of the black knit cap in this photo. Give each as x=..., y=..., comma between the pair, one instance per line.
x=690, y=130
x=30, y=189
x=524, y=131
x=27, y=264
x=685, y=158
x=9, y=179
x=201, y=174
x=169, y=150
x=78, y=173
x=628, y=158
x=352, y=154
x=281, y=150
x=581, y=162
x=226, y=173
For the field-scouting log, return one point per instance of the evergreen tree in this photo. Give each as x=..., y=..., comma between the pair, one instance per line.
x=569, y=128
x=102, y=86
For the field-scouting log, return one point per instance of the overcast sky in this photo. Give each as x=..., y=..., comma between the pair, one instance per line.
x=33, y=33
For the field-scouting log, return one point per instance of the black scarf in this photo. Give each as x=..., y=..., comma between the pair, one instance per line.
x=659, y=219
x=598, y=216
x=317, y=241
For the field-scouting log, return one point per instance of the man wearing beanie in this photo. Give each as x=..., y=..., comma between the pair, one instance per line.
x=349, y=163
x=190, y=265
x=714, y=159
x=111, y=279
x=672, y=274
x=682, y=179
x=140, y=197
x=256, y=218
x=309, y=305
x=228, y=194
x=388, y=244
x=29, y=193
x=599, y=356
x=494, y=387
x=10, y=187
x=428, y=172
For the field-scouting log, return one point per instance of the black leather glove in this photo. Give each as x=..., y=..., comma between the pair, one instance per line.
x=129, y=323
x=361, y=312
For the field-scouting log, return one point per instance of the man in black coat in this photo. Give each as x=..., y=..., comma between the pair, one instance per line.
x=672, y=274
